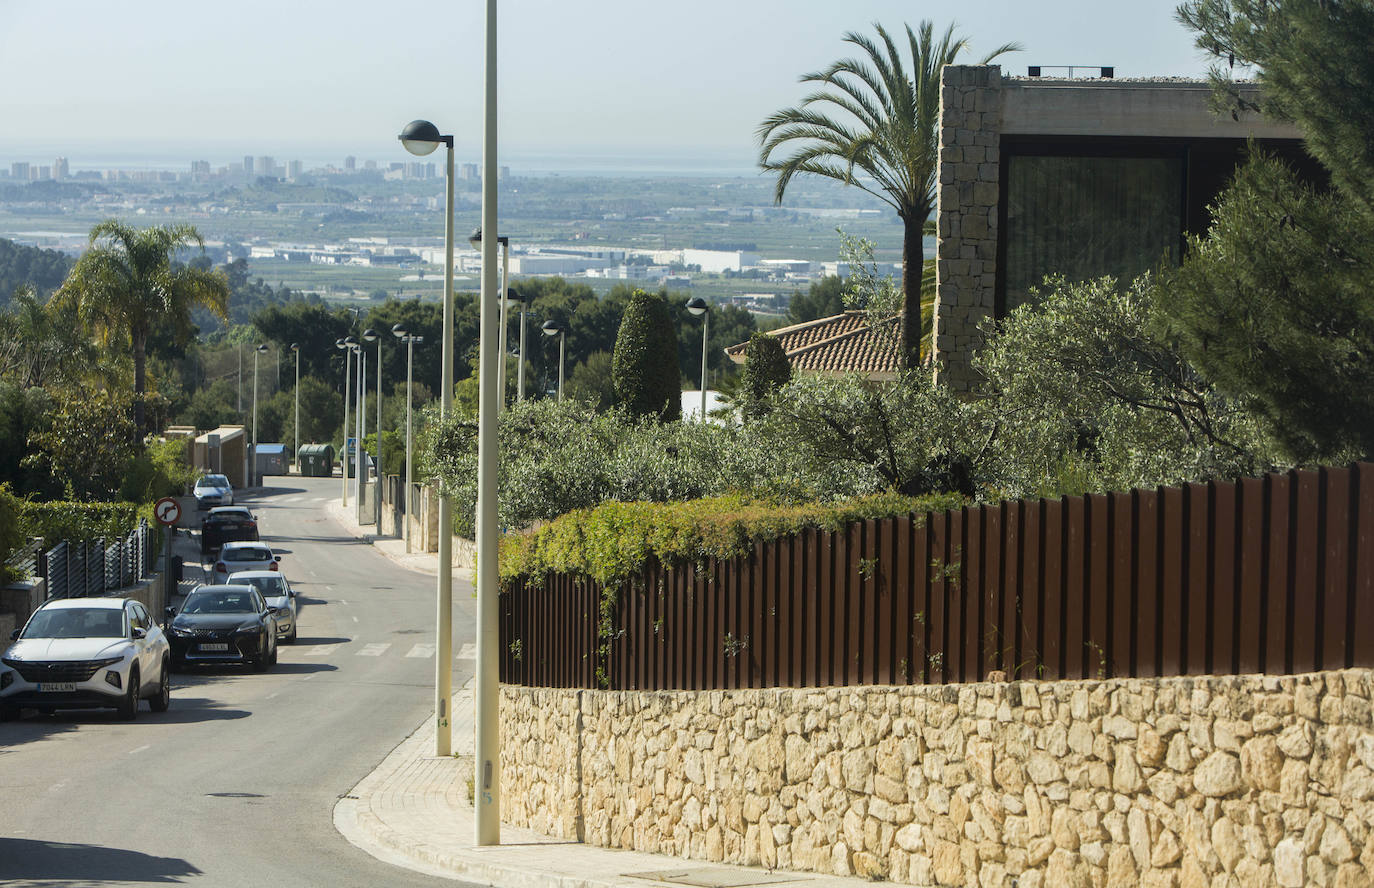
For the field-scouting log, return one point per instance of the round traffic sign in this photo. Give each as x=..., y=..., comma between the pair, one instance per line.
x=167, y=511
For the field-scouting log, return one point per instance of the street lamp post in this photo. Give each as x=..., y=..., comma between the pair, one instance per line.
x=475, y=241
x=420, y=137
x=296, y=451
x=404, y=335
x=520, y=367
x=346, y=344
x=553, y=328
x=369, y=334
x=253, y=464
x=360, y=420
x=697, y=306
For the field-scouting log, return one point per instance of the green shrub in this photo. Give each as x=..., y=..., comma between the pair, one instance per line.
x=11, y=531
x=644, y=368
x=78, y=521
x=615, y=540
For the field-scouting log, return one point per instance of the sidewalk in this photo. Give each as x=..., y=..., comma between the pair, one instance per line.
x=414, y=811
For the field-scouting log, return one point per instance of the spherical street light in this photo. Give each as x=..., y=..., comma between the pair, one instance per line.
x=698, y=306
x=420, y=137
x=553, y=328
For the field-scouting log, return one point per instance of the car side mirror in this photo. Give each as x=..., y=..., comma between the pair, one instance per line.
x=14, y=636
x=171, y=612
x=291, y=594
x=140, y=632
x=276, y=558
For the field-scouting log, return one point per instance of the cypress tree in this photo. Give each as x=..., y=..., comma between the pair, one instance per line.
x=766, y=369
x=644, y=368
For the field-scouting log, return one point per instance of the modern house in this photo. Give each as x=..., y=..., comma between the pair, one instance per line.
x=1077, y=177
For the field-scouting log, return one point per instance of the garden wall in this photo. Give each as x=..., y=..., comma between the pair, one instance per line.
x=1190, y=781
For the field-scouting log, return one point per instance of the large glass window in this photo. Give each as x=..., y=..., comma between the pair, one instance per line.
x=1084, y=217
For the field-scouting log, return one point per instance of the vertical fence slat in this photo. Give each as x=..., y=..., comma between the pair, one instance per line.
x=1305, y=549
x=1335, y=574
x=903, y=596
x=1098, y=546
x=1250, y=554
x=1223, y=651
x=1052, y=564
x=1122, y=596
x=968, y=580
x=1197, y=595
x=1278, y=656
x=1173, y=626
x=1030, y=643
x=1077, y=655
x=1361, y=634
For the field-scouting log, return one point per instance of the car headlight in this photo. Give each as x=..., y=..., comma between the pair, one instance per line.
x=182, y=631
x=108, y=661
x=247, y=629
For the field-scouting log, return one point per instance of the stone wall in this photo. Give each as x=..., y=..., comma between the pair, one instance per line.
x=966, y=215
x=1181, y=782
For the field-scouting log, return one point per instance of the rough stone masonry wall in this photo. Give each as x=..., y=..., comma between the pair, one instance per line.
x=1181, y=782
x=966, y=215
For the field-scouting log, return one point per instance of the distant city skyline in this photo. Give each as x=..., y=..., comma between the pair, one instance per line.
x=646, y=84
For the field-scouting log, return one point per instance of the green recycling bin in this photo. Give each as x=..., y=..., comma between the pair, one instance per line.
x=317, y=460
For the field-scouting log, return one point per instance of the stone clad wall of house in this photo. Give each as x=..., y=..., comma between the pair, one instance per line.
x=1183, y=782
x=966, y=215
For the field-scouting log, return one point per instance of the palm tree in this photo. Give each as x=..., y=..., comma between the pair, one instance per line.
x=127, y=283
x=888, y=132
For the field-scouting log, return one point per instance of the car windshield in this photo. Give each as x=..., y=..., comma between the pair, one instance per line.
x=231, y=514
x=76, y=622
x=237, y=601
x=270, y=587
x=246, y=555
x=214, y=481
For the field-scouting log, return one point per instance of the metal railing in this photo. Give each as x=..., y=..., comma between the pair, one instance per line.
x=95, y=567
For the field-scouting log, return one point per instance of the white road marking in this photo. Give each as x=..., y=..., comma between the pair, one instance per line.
x=355, y=619
x=273, y=694
x=139, y=749
x=318, y=650
x=421, y=650
x=467, y=652
x=310, y=676
x=374, y=650
x=331, y=589
x=313, y=574
x=56, y=786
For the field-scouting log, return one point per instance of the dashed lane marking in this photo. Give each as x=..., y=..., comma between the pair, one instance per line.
x=374, y=650
x=421, y=650
x=319, y=650
x=140, y=749
x=467, y=652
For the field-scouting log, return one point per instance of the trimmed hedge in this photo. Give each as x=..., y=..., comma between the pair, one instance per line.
x=614, y=541
x=78, y=521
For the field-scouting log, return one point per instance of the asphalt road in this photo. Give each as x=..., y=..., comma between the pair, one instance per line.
x=236, y=783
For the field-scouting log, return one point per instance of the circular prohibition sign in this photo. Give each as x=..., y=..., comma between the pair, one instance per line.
x=167, y=511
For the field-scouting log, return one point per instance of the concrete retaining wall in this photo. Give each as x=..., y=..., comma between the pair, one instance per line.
x=1230, y=781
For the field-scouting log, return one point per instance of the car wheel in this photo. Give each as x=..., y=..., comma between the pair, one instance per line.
x=128, y=704
x=263, y=661
x=163, y=699
x=291, y=636
x=273, y=661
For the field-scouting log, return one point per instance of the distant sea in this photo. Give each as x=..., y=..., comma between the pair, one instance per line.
x=583, y=162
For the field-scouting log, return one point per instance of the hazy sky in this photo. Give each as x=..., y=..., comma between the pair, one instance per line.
x=638, y=78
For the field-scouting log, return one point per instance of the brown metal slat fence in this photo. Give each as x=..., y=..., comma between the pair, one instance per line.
x=1272, y=574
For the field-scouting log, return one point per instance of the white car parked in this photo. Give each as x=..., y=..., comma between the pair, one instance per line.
x=240, y=556
x=86, y=653
x=213, y=490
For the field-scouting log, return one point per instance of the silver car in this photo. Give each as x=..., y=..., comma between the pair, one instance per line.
x=86, y=653
x=240, y=556
x=213, y=490
x=272, y=585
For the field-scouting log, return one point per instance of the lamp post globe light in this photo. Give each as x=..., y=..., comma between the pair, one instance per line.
x=553, y=328
x=373, y=336
x=296, y=451
x=697, y=306
x=420, y=137
x=401, y=333
x=253, y=463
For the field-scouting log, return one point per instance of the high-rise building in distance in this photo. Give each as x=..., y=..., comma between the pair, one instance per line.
x=59, y=168
x=350, y=163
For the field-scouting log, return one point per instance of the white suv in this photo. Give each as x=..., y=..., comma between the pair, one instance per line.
x=86, y=653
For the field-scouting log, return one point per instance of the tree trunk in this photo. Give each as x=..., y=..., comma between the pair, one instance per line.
x=913, y=255
x=139, y=343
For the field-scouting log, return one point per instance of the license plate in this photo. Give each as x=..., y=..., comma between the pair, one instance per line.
x=57, y=686
x=215, y=646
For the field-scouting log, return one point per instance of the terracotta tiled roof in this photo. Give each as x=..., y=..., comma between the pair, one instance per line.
x=843, y=343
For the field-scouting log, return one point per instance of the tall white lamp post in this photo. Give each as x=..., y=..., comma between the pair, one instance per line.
x=420, y=137
x=520, y=367
x=346, y=344
x=697, y=306
x=553, y=328
x=371, y=335
x=296, y=451
x=487, y=761
x=475, y=240
x=253, y=464
x=400, y=332
x=360, y=420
